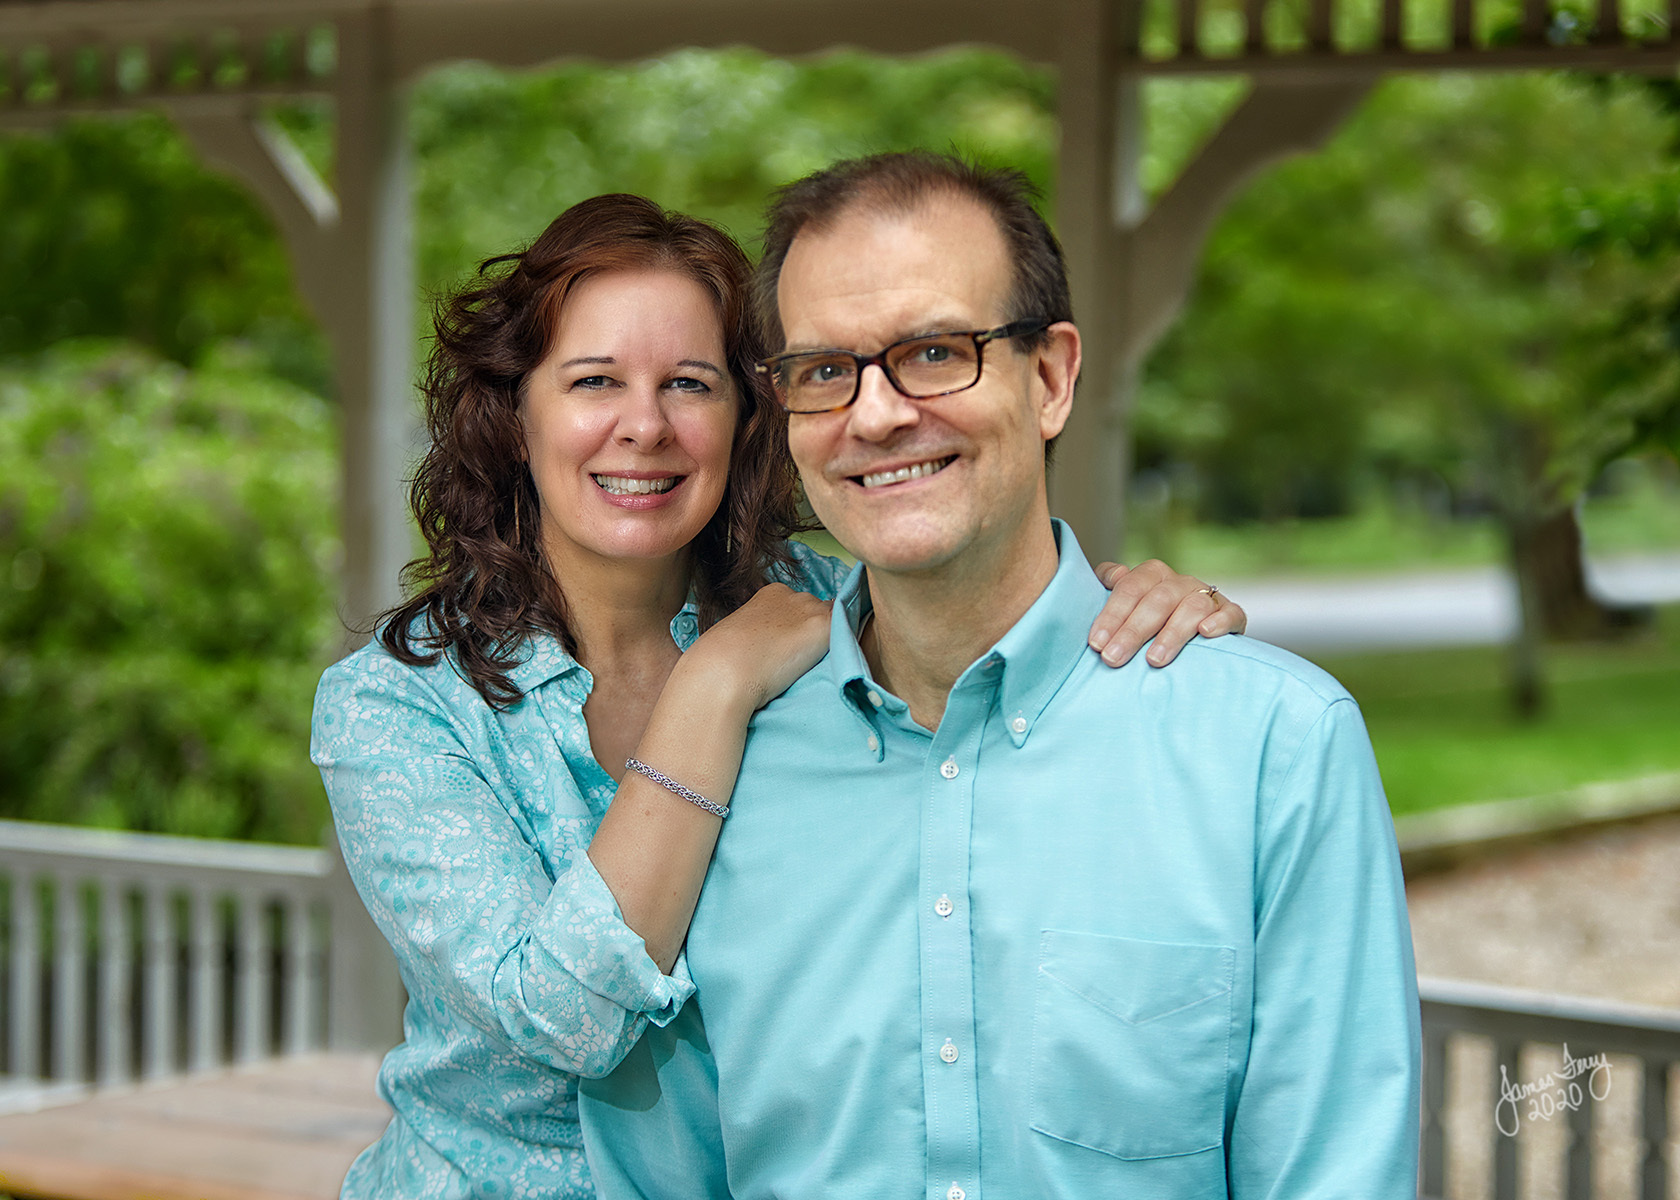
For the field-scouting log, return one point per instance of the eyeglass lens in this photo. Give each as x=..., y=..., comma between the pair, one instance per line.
x=919, y=367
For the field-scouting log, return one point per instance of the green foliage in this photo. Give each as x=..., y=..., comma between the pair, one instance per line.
x=115, y=229
x=1409, y=304
x=167, y=543
x=709, y=133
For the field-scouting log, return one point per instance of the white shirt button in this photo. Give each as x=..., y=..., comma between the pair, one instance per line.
x=956, y=1193
x=949, y=768
x=874, y=697
x=943, y=906
x=948, y=1052
x=1019, y=724
x=874, y=743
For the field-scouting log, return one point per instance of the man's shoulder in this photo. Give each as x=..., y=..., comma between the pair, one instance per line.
x=1260, y=662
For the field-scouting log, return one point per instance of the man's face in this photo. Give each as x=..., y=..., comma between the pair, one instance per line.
x=915, y=486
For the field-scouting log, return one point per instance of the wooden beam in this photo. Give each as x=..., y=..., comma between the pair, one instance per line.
x=1321, y=29
x=1302, y=67
x=1463, y=24
x=1274, y=122
x=1087, y=483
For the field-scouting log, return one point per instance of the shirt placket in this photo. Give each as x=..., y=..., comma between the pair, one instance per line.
x=950, y=1074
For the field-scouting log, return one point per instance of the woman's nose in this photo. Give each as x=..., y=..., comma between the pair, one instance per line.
x=642, y=419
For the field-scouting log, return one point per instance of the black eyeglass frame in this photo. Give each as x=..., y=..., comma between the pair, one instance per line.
x=1014, y=329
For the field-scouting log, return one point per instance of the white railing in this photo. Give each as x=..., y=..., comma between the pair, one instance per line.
x=132, y=955
x=1503, y=1102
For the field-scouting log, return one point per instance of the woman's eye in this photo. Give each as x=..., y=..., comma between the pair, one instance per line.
x=687, y=384
x=591, y=381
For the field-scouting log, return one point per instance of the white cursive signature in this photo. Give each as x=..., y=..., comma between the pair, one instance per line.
x=1553, y=1093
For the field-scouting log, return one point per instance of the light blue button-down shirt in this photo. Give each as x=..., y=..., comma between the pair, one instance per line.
x=466, y=830
x=1101, y=934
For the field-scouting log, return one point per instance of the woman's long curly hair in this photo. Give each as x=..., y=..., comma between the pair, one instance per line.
x=484, y=586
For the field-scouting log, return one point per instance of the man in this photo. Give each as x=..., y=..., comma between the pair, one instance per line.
x=990, y=920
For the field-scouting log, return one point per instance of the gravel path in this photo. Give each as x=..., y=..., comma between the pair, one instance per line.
x=1598, y=915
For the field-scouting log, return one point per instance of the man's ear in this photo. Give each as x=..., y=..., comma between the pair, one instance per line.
x=1058, y=371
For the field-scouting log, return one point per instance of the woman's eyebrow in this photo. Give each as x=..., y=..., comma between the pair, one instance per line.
x=579, y=362
x=700, y=363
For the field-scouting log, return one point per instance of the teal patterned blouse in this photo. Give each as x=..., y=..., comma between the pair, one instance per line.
x=466, y=830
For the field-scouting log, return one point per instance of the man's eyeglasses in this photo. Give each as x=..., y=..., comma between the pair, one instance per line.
x=936, y=364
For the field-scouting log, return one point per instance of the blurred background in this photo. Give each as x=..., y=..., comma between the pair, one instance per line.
x=1420, y=414
x=1443, y=349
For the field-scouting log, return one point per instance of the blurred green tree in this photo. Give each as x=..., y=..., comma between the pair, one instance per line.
x=114, y=229
x=167, y=554
x=1410, y=304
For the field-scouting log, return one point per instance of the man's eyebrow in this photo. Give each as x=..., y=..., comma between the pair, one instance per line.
x=929, y=328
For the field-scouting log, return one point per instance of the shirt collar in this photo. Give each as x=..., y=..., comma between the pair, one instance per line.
x=545, y=659
x=1031, y=661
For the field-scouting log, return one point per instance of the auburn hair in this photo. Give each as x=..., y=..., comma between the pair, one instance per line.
x=484, y=586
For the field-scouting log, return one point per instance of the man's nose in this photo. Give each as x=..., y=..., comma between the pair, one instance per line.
x=880, y=409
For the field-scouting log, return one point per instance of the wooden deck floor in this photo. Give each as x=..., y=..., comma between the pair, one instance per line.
x=283, y=1130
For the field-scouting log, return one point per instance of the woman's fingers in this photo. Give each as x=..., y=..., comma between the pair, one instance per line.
x=1153, y=601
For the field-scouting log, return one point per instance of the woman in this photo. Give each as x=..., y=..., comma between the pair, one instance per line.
x=606, y=480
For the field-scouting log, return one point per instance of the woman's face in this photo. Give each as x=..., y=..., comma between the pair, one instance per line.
x=630, y=418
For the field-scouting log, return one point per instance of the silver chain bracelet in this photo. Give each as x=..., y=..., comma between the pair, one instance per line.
x=672, y=786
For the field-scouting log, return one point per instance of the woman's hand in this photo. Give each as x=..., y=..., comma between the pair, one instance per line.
x=1153, y=600
x=757, y=651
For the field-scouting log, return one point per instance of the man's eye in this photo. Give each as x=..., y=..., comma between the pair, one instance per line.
x=933, y=353
x=824, y=371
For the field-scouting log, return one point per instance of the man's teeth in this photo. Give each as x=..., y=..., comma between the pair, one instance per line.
x=617, y=485
x=903, y=473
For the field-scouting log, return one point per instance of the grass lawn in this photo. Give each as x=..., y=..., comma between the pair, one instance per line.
x=1444, y=734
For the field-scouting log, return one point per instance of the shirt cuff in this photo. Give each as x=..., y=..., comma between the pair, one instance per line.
x=581, y=927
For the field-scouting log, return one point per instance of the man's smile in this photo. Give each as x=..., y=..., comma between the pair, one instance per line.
x=918, y=470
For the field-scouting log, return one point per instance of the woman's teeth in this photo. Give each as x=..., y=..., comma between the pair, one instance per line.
x=903, y=473
x=617, y=485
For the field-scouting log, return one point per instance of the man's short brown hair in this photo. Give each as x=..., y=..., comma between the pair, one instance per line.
x=901, y=183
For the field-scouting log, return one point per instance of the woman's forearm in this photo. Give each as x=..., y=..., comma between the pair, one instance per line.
x=653, y=847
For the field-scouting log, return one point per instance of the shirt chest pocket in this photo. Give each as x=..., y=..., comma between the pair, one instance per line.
x=1131, y=1043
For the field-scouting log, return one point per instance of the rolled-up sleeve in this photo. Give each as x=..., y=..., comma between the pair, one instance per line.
x=451, y=875
x=1329, y=1099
